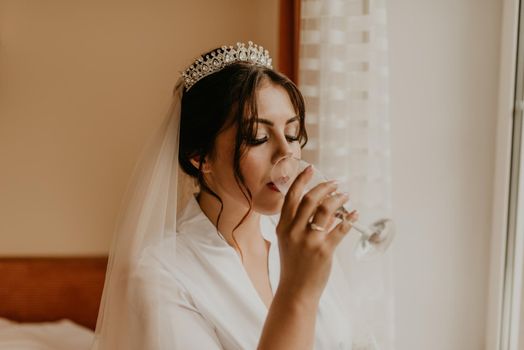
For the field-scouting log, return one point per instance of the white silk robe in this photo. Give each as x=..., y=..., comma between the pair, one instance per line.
x=215, y=305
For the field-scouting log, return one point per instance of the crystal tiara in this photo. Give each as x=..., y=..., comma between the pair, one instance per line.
x=218, y=59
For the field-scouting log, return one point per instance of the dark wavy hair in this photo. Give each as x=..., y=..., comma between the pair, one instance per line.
x=219, y=101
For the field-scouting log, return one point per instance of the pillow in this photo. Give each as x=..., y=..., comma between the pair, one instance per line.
x=58, y=335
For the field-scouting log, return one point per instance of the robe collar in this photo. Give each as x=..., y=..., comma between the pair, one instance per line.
x=194, y=222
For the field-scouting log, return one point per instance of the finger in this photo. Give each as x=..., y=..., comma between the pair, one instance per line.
x=335, y=235
x=294, y=193
x=344, y=214
x=325, y=212
x=311, y=200
x=336, y=219
x=332, y=221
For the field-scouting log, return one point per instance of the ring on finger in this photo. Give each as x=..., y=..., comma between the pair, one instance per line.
x=316, y=227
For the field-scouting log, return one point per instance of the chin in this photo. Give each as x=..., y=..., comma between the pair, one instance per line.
x=269, y=208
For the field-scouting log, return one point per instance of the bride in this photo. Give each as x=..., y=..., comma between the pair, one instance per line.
x=233, y=264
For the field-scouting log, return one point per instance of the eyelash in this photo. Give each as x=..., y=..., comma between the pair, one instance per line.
x=256, y=142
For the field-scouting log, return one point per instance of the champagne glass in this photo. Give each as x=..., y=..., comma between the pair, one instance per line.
x=374, y=239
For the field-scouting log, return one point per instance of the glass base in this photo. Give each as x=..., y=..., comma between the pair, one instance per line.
x=382, y=233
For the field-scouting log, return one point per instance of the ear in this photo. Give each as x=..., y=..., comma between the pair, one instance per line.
x=195, y=161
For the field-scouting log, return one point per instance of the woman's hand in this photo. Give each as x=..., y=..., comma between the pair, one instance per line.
x=305, y=253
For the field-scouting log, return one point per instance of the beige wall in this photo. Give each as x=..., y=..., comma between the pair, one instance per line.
x=82, y=85
x=444, y=64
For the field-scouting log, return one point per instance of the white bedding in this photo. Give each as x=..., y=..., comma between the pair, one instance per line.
x=59, y=335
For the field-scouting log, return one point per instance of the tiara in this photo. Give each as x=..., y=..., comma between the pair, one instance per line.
x=218, y=59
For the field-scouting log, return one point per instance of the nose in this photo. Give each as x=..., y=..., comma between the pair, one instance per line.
x=282, y=150
x=287, y=154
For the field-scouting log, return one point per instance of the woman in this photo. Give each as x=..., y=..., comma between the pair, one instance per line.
x=247, y=268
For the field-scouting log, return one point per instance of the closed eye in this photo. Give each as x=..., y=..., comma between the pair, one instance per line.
x=256, y=142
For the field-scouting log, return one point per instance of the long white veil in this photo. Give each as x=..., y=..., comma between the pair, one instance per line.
x=130, y=316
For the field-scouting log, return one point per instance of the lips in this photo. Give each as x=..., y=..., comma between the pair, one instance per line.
x=272, y=186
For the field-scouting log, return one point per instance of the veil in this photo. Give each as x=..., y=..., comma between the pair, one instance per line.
x=148, y=212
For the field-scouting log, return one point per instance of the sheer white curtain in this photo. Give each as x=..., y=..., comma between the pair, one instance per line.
x=343, y=75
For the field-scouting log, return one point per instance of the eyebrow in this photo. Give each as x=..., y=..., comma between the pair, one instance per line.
x=269, y=122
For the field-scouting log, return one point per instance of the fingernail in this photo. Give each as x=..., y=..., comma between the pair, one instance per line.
x=334, y=183
x=309, y=169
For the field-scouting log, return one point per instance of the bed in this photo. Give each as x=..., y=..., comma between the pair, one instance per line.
x=49, y=303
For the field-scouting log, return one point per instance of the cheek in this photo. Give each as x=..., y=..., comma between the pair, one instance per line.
x=257, y=162
x=252, y=164
x=256, y=167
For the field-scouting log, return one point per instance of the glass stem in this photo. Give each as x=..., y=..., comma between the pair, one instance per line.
x=363, y=230
x=341, y=214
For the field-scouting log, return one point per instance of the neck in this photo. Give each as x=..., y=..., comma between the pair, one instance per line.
x=247, y=234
